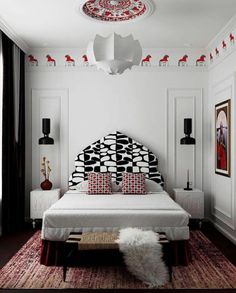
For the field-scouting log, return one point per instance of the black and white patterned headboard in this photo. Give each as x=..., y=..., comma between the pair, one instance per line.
x=115, y=153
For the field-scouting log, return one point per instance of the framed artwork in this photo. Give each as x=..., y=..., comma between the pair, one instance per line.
x=222, y=138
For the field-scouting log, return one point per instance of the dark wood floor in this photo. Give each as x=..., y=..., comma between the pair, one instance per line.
x=10, y=244
x=221, y=242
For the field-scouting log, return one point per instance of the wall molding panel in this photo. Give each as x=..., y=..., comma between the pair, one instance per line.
x=53, y=104
x=184, y=103
x=223, y=188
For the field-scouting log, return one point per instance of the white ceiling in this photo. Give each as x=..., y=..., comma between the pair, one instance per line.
x=174, y=23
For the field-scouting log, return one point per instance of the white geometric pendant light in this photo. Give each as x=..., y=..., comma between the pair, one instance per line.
x=114, y=54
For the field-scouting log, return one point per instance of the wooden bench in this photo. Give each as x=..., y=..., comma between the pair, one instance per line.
x=96, y=242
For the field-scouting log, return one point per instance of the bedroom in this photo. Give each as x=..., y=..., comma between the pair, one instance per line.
x=184, y=66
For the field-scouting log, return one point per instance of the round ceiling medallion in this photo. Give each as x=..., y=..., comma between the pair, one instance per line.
x=116, y=10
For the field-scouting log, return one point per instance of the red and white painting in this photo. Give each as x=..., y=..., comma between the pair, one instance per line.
x=50, y=61
x=211, y=58
x=222, y=138
x=33, y=61
x=201, y=61
x=146, y=61
x=164, y=61
x=85, y=60
x=224, y=46
x=114, y=10
x=231, y=38
x=69, y=61
x=183, y=61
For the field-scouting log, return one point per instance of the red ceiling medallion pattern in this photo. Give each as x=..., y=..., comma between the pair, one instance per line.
x=114, y=10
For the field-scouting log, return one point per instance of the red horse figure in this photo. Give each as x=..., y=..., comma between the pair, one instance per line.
x=50, y=61
x=85, y=61
x=211, y=57
x=32, y=60
x=146, y=60
x=224, y=46
x=217, y=52
x=231, y=38
x=201, y=61
x=183, y=61
x=164, y=61
x=69, y=61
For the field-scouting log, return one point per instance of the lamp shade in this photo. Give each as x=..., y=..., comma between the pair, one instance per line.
x=187, y=131
x=46, y=131
x=114, y=54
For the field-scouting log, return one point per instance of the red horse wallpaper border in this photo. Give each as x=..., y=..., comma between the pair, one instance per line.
x=222, y=138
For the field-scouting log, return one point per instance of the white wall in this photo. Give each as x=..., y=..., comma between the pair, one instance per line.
x=222, y=189
x=148, y=104
x=86, y=104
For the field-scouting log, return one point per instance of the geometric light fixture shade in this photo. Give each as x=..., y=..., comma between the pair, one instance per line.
x=114, y=54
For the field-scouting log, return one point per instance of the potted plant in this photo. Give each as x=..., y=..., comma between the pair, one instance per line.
x=46, y=170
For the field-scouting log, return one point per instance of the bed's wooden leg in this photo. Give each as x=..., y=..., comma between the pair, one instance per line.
x=65, y=261
x=67, y=254
x=170, y=272
x=200, y=224
x=64, y=272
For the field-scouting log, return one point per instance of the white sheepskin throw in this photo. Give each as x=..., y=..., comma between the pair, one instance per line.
x=143, y=255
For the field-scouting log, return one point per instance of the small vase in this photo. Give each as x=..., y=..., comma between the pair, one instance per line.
x=46, y=185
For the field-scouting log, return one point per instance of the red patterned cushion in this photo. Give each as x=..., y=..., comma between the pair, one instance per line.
x=133, y=183
x=99, y=183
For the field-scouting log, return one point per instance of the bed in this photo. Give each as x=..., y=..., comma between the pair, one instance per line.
x=77, y=211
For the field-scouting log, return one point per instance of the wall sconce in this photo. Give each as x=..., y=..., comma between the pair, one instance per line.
x=187, y=131
x=188, y=140
x=46, y=131
x=45, y=168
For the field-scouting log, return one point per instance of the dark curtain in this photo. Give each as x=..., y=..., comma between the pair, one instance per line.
x=13, y=139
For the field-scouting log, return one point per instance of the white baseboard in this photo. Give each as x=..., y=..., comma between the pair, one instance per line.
x=223, y=231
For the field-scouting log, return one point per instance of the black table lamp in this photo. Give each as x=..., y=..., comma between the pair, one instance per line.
x=187, y=131
x=46, y=130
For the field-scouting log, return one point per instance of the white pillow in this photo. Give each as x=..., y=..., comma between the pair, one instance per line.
x=152, y=186
x=83, y=187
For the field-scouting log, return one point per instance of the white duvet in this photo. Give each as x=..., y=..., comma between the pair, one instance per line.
x=76, y=212
x=73, y=200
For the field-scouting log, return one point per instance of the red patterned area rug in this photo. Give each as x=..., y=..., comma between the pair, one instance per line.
x=209, y=269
